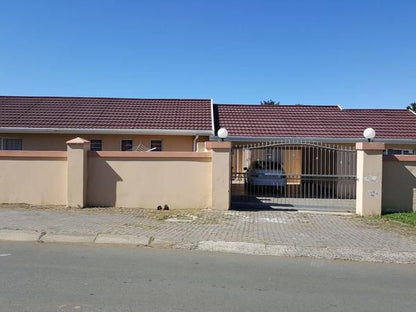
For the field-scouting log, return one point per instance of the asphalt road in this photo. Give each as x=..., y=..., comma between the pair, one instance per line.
x=52, y=277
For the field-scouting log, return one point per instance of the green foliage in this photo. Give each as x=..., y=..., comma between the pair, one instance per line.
x=269, y=102
x=403, y=217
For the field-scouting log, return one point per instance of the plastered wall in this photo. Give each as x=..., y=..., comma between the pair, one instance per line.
x=149, y=182
x=33, y=180
x=111, y=142
x=399, y=184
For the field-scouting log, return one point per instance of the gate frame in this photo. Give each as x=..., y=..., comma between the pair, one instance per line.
x=369, y=177
x=326, y=170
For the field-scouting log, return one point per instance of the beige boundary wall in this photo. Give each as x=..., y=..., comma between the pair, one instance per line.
x=79, y=178
x=33, y=177
x=140, y=179
x=399, y=183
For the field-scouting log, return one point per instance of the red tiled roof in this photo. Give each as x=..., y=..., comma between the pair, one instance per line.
x=314, y=121
x=105, y=113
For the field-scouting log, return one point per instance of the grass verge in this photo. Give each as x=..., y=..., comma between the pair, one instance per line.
x=393, y=223
x=402, y=217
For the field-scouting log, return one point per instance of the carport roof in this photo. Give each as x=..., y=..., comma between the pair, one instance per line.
x=106, y=114
x=313, y=121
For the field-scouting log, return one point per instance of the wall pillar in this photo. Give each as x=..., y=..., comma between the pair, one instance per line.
x=369, y=178
x=77, y=172
x=221, y=174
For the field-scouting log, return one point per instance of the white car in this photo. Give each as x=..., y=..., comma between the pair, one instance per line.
x=265, y=173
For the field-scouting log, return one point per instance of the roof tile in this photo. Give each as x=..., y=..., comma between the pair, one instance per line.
x=314, y=121
x=105, y=113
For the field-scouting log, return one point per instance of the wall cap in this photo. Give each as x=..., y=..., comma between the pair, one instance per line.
x=77, y=140
x=150, y=155
x=399, y=158
x=33, y=154
x=217, y=145
x=370, y=146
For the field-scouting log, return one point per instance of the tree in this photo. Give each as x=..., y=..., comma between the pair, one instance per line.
x=412, y=107
x=269, y=102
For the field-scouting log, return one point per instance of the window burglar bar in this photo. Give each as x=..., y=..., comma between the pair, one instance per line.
x=11, y=144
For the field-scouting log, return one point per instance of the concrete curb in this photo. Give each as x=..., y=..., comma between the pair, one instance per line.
x=62, y=238
x=121, y=239
x=20, y=236
x=329, y=253
x=29, y=236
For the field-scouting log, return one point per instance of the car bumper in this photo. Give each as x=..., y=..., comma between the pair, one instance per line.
x=267, y=182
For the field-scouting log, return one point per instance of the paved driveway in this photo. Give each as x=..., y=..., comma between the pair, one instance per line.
x=301, y=231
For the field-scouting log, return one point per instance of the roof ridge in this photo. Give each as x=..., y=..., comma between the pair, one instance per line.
x=99, y=97
x=280, y=105
x=106, y=113
x=376, y=109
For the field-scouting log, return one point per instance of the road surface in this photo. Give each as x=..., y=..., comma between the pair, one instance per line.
x=58, y=277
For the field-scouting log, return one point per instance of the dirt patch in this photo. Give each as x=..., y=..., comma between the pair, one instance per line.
x=180, y=214
x=195, y=216
x=35, y=207
x=388, y=225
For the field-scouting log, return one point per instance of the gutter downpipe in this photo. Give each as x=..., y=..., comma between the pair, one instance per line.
x=194, y=143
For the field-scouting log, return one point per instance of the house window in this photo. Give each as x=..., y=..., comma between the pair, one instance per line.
x=96, y=145
x=156, y=145
x=126, y=145
x=399, y=152
x=11, y=144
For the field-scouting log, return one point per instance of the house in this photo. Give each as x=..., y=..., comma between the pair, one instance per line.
x=312, y=146
x=317, y=123
x=311, y=149
x=330, y=123
x=46, y=123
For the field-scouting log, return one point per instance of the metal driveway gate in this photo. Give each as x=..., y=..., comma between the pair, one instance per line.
x=294, y=174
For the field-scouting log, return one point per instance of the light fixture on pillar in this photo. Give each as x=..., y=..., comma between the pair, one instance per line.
x=369, y=134
x=222, y=133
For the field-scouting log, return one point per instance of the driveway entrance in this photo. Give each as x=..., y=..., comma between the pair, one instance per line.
x=293, y=175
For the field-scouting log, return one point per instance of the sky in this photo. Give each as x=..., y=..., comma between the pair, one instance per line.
x=356, y=53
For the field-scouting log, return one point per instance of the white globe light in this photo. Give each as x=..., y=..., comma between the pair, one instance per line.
x=222, y=133
x=369, y=133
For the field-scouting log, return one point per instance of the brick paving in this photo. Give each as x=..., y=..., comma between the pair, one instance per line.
x=190, y=227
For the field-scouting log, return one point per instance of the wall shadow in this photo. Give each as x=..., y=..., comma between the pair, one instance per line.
x=398, y=187
x=258, y=205
x=102, y=183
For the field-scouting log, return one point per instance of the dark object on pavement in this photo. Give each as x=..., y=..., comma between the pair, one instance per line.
x=159, y=207
x=166, y=207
